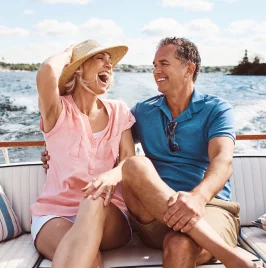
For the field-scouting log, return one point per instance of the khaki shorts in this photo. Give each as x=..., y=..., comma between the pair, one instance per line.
x=221, y=215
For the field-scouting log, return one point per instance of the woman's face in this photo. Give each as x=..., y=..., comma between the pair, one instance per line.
x=98, y=72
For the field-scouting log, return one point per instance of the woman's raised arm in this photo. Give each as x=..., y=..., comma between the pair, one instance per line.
x=47, y=84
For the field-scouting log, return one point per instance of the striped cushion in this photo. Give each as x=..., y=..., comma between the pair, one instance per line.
x=9, y=225
x=260, y=222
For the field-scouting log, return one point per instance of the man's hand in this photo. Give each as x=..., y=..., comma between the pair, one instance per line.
x=45, y=158
x=185, y=210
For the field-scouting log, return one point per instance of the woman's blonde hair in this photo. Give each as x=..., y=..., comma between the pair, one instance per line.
x=79, y=77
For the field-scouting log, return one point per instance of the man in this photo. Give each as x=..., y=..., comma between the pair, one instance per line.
x=188, y=140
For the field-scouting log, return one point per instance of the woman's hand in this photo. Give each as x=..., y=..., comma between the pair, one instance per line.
x=103, y=184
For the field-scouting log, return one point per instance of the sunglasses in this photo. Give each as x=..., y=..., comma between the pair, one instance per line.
x=170, y=134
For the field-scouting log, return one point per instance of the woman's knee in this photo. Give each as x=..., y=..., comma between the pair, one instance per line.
x=91, y=208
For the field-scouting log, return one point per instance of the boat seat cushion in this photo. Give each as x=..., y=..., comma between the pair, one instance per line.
x=138, y=255
x=256, y=239
x=18, y=252
x=9, y=223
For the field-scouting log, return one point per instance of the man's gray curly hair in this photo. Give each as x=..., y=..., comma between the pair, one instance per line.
x=186, y=51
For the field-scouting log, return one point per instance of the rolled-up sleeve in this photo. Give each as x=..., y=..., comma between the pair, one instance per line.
x=222, y=123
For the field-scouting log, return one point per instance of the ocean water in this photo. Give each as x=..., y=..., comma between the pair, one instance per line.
x=19, y=115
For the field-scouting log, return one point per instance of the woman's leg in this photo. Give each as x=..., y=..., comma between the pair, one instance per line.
x=51, y=234
x=96, y=226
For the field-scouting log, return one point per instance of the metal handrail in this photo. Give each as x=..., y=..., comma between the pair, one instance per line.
x=4, y=145
x=251, y=137
x=10, y=144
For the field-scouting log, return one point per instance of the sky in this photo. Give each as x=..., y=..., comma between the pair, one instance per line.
x=33, y=30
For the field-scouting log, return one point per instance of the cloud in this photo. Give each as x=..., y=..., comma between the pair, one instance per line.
x=260, y=27
x=28, y=12
x=229, y=51
x=31, y=52
x=192, y=5
x=141, y=50
x=247, y=27
x=107, y=28
x=93, y=28
x=55, y=28
x=17, y=32
x=202, y=27
x=215, y=47
x=163, y=27
x=240, y=26
x=214, y=50
x=259, y=39
x=80, y=2
x=229, y=1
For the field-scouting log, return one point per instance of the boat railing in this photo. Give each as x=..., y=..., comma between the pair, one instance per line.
x=4, y=145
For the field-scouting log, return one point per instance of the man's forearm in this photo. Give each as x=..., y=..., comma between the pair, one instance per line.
x=215, y=177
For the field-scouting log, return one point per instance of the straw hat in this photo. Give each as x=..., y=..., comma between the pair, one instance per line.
x=84, y=51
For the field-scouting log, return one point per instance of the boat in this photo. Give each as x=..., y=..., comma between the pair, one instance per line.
x=22, y=183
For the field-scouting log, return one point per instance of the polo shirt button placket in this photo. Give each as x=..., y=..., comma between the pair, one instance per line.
x=91, y=161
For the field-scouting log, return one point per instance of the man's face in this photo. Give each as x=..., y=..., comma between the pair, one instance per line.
x=169, y=72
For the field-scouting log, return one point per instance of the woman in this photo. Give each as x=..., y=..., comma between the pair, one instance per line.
x=68, y=123
x=84, y=136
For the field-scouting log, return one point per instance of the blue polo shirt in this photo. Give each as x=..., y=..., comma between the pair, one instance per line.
x=206, y=117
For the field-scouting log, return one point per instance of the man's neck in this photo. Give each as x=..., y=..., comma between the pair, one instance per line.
x=179, y=101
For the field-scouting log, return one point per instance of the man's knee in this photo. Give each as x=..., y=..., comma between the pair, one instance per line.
x=178, y=243
x=135, y=167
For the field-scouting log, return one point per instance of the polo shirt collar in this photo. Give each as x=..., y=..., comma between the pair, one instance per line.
x=196, y=104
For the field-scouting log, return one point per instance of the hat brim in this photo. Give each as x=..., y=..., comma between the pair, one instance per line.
x=116, y=53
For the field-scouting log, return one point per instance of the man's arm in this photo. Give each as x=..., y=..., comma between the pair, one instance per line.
x=187, y=208
x=220, y=152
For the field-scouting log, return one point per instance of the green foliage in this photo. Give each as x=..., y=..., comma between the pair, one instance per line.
x=20, y=66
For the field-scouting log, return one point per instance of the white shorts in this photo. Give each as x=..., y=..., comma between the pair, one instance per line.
x=39, y=221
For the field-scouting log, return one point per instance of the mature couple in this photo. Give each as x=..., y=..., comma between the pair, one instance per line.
x=178, y=194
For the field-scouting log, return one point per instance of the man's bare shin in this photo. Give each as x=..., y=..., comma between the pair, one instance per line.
x=207, y=238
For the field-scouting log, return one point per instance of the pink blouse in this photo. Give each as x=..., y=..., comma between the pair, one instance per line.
x=76, y=157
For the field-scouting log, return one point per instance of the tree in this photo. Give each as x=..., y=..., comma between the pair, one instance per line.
x=256, y=60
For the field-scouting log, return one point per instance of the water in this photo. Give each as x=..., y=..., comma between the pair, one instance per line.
x=19, y=115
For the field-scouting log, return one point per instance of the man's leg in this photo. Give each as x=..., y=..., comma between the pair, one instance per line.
x=145, y=181
x=146, y=196
x=174, y=246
